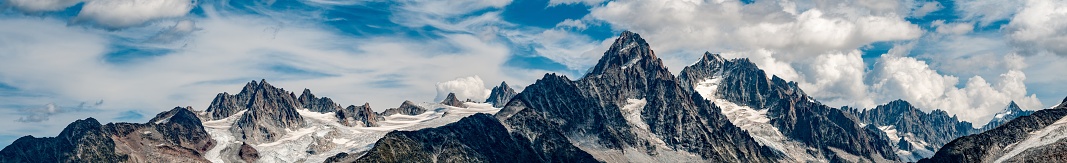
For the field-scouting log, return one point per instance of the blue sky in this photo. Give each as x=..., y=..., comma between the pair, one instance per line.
x=71, y=59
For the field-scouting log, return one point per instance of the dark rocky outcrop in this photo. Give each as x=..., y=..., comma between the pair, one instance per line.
x=457, y=143
x=247, y=153
x=173, y=136
x=451, y=100
x=500, y=95
x=406, y=108
x=321, y=105
x=363, y=114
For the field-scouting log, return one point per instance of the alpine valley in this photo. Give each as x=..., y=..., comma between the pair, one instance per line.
x=627, y=108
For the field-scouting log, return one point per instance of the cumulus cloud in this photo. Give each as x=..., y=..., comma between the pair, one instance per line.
x=913, y=80
x=116, y=14
x=471, y=87
x=1039, y=27
x=34, y=6
x=802, y=32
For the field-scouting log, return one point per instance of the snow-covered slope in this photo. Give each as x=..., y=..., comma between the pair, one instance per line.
x=325, y=137
x=756, y=122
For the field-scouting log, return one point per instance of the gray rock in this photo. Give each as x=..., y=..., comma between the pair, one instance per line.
x=321, y=105
x=362, y=114
x=270, y=111
x=451, y=100
x=406, y=108
x=500, y=95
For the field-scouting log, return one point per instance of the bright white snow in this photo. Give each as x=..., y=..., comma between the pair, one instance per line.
x=326, y=137
x=1048, y=135
x=756, y=123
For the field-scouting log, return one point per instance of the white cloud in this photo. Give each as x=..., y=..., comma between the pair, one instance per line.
x=116, y=14
x=837, y=78
x=987, y=11
x=907, y=78
x=675, y=26
x=927, y=8
x=33, y=6
x=471, y=87
x=569, y=2
x=1039, y=27
x=952, y=28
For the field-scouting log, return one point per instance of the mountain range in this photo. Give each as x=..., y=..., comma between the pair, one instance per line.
x=627, y=108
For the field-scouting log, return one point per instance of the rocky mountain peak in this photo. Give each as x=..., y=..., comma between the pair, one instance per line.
x=1009, y=113
x=451, y=100
x=500, y=95
x=628, y=51
x=321, y=105
x=363, y=114
x=406, y=108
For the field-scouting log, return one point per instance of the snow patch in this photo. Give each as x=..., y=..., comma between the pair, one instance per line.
x=708, y=87
x=632, y=113
x=220, y=132
x=325, y=137
x=1048, y=135
x=891, y=132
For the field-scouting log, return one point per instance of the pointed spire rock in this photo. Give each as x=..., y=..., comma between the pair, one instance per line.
x=629, y=50
x=452, y=101
x=500, y=95
x=321, y=105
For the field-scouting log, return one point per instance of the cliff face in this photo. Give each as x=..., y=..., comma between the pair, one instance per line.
x=500, y=95
x=173, y=136
x=829, y=133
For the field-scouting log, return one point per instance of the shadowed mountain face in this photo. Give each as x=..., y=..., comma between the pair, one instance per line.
x=173, y=136
x=917, y=134
x=1038, y=137
x=500, y=95
x=833, y=133
x=1009, y=113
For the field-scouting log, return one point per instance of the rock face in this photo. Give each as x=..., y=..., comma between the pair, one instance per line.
x=173, y=136
x=406, y=108
x=451, y=100
x=269, y=111
x=457, y=143
x=917, y=134
x=321, y=105
x=1009, y=113
x=1038, y=137
x=500, y=95
x=359, y=116
x=247, y=153
x=832, y=133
